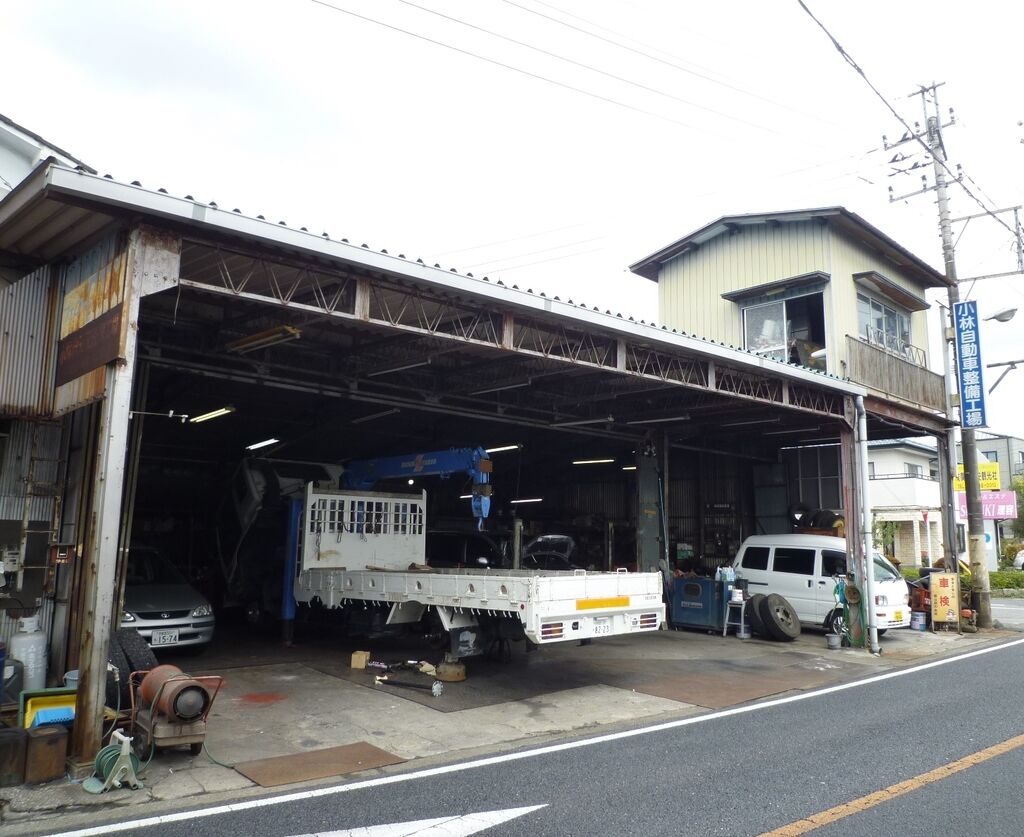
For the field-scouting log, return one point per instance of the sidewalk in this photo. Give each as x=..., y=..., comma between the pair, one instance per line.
x=280, y=701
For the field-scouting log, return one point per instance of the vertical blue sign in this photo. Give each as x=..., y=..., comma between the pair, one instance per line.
x=968, y=365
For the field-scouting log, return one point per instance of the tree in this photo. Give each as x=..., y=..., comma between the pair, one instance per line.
x=1018, y=525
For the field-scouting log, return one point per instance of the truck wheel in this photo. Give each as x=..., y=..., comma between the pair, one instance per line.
x=779, y=618
x=754, y=615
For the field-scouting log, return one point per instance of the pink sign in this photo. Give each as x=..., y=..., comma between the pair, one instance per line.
x=995, y=505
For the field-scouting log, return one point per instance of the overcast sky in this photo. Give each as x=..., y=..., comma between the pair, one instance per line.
x=612, y=127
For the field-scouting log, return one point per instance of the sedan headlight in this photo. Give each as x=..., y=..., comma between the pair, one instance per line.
x=202, y=610
x=127, y=617
x=881, y=601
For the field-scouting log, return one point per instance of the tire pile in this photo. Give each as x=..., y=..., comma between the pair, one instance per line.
x=772, y=617
x=128, y=652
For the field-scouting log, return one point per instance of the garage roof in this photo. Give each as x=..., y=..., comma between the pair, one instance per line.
x=57, y=209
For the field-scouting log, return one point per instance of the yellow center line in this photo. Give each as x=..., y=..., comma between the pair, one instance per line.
x=855, y=806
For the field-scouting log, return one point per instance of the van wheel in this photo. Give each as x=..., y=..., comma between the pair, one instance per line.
x=754, y=615
x=881, y=631
x=779, y=618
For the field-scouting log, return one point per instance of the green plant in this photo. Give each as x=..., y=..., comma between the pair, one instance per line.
x=1006, y=579
x=884, y=534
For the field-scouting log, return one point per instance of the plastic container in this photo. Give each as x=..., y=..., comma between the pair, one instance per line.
x=917, y=621
x=71, y=679
x=45, y=752
x=29, y=646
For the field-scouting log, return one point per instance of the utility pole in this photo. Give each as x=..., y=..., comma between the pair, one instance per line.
x=980, y=589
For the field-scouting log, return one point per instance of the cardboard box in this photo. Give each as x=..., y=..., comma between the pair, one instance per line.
x=360, y=659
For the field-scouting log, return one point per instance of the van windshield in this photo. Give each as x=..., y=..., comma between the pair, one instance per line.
x=884, y=571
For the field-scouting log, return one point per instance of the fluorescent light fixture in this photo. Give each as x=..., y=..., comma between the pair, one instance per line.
x=527, y=500
x=502, y=387
x=790, y=432
x=818, y=354
x=263, y=444
x=412, y=482
x=414, y=365
x=465, y=496
x=580, y=422
x=629, y=467
x=592, y=461
x=683, y=417
x=263, y=339
x=502, y=449
x=373, y=416
x=220, y=411
x=748, y=423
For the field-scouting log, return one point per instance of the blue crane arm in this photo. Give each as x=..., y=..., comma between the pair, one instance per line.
x=365, y=473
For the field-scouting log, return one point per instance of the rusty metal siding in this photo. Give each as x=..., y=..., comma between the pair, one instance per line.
x=607, y=499
x=14, y=469
x=28, y=342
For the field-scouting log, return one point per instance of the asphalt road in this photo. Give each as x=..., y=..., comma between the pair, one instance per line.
x=743, y=771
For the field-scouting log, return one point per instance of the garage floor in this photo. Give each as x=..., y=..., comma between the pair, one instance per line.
x=281, y=700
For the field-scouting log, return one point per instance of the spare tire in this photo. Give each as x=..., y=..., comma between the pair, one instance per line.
x=136, y=650
x=823, y=519
x=779, y=617
x=754, y=615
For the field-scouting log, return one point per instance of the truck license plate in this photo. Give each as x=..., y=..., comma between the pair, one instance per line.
x=602, y=627
x=899, y=615
x=165, y=636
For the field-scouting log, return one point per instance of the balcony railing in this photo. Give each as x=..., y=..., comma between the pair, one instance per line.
x=893, y=344
x=895, y=374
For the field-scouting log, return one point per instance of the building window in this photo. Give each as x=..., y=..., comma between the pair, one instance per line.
x=912, y=469
x=883, y=325
x=814, y=475
x=871, y=470
x=789, y=330
x=991, y=455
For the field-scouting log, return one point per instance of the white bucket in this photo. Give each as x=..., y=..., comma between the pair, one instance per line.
x=71, y=679
x=917, y=621
x=834, y=641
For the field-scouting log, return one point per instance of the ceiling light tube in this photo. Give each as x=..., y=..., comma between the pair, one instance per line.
x=373, y=416
x=502, y=387
x=502, y=448
x=220, y=411
x=579, y=422
x=790, y=431
x=748, y=423
x=414, y=365
x=263, y=444
x=465, y=496
x=683, y=417
x=263, y=339
x=527, y=500
x=629, y=467
x=592, y=461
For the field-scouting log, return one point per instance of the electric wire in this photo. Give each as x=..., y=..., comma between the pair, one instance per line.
x=489, y=262
x=515, y=69
x=652, y=57
x=849, y=60
x=592, y=68
x=546, y=261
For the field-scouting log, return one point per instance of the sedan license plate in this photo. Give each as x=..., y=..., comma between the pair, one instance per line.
x=165, y=636
x=602, y=627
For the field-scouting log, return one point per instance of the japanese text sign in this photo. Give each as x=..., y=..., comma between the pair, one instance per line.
x=968, y=365
x=988, y=476
x=995, y=505
x=945, y=590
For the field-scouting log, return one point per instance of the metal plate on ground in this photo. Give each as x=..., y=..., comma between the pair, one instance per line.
x=316, y=764
x=718, y=690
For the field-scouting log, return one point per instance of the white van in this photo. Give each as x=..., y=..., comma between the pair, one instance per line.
x=803, y=569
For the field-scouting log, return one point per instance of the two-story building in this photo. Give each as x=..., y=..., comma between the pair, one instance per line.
x=822, y=289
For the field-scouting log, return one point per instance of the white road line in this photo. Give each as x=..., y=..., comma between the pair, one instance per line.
x=460, y=826
x=314, y=793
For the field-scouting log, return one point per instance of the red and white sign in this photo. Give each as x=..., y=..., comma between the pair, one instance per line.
x=995, y=505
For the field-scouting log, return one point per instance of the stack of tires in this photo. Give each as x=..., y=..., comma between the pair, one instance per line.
x=772, y=617
x=128, y=652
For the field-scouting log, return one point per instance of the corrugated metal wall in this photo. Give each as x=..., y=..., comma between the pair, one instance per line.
x=28, y=345
x=9, y=624
x=14, y=468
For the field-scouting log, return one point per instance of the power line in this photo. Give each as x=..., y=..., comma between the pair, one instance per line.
x=508, y=240
x=590, y=67
x=912, y=133
x=490, y=262
x=515, y=69
x=652, y=57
